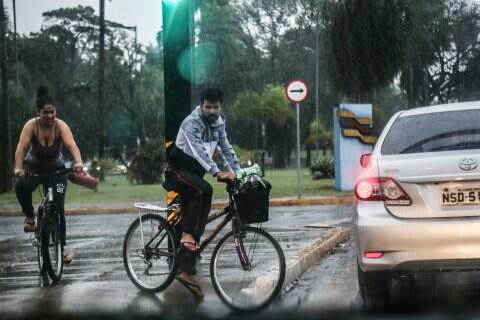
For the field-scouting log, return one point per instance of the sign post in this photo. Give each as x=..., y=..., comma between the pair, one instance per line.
x=297, y=91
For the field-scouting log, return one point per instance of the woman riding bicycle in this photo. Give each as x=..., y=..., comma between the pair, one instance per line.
x=43, y=137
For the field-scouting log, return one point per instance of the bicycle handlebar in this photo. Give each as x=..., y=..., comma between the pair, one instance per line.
x=51, y=174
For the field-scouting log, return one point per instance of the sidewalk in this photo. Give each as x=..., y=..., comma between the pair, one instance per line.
x=127, y=207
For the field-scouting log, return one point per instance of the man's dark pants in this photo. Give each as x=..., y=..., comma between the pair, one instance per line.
x=196, y=199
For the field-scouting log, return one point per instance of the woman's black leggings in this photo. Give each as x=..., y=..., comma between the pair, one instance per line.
x=25, y=186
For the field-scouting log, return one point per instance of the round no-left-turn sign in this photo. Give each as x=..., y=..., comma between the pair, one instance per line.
x=296, y=91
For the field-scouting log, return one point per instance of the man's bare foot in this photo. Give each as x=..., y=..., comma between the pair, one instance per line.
x=188, y=242
x=190, y=282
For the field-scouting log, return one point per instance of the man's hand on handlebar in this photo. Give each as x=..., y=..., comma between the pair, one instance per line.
x=226, y=176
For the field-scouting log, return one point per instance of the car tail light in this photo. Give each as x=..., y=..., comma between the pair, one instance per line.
x=382, y=189
x=373, y=254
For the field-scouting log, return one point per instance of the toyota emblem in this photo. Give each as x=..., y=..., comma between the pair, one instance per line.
x=468, y=164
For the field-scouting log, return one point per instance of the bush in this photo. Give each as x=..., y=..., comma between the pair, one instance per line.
x=323, y=168
x=147, y=165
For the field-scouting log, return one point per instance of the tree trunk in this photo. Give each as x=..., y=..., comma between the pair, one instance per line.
x=308, y=161
x=6, y=181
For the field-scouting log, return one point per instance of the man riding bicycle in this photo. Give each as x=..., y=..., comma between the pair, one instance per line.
x=200, y=134
x=44, y=136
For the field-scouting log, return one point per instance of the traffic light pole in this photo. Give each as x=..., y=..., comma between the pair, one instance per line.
x=177, y=38
x=177, y=35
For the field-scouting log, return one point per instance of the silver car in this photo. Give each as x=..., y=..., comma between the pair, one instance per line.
x=417, y=204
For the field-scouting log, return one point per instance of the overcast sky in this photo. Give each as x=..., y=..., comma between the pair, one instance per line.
x=145, y=14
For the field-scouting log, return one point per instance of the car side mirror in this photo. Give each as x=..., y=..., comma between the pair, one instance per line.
x=365, y=159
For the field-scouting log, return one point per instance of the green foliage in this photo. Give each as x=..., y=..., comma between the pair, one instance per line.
x=367, y=46
x=270, y=108
x=63, y=55
x=442, y=50
x=318, y=133
x=323, y=168
x=147, y=165
x=235, y=57
x=244, y=155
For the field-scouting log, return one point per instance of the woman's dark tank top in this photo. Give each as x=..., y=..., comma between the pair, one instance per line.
x=43, y=159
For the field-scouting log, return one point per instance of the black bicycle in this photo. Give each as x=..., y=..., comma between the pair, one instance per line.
x=47, y=236
x=247, y=267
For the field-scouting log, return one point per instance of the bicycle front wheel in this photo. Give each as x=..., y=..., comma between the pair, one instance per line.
x=248, y=270
x=38, y=242
x=149, y=253
x=51, y=244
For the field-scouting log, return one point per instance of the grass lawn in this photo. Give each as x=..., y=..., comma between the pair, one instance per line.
x=116, y=189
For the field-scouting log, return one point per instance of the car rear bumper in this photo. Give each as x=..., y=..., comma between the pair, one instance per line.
x=415, y=244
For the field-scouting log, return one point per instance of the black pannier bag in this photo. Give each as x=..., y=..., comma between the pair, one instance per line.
x=252, y=199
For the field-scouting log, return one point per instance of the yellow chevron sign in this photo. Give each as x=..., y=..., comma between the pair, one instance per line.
x=356, y=127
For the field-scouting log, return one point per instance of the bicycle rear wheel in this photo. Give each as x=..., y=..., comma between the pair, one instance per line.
x=247, y=275
x=51, y=244
x=149, y=253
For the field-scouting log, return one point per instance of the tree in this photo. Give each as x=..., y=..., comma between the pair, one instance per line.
x=266, y=21
x=269, y=107
x=246, y=117
x=442, y=43
x=222, y=40
x=280, y=122
x=366, y=46
x=319, y=134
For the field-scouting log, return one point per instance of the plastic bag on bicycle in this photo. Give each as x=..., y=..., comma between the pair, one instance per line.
x=252, y=199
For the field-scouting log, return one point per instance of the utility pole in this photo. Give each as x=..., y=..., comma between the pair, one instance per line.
x=7, y=138
x=17, y=77
x=101, y=81
x=317, y=89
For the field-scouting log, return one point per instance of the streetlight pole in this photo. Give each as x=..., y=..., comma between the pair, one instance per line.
x=101, y=80
x=17, y=77
x=317, y=94
x=6, y=120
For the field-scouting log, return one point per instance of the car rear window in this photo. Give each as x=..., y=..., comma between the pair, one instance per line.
x=434, y=132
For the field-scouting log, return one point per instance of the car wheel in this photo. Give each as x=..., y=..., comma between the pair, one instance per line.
x=374, y=288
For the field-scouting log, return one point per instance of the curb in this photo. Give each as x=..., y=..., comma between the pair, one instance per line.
x=306, y=258
x=215, y=205
x=299, y=263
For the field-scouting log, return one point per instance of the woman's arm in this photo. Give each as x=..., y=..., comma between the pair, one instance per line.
x=69, y=142
x=23, y=143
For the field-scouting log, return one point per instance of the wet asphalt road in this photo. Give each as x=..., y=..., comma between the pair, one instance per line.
x=97, y=282
x=332, y=285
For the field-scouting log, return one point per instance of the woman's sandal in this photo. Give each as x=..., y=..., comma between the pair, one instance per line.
x=194, y=288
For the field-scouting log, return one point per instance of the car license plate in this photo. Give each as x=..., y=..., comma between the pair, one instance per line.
x=467, y=196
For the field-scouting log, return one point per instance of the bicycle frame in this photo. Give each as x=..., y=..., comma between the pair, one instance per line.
x=231, y=214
